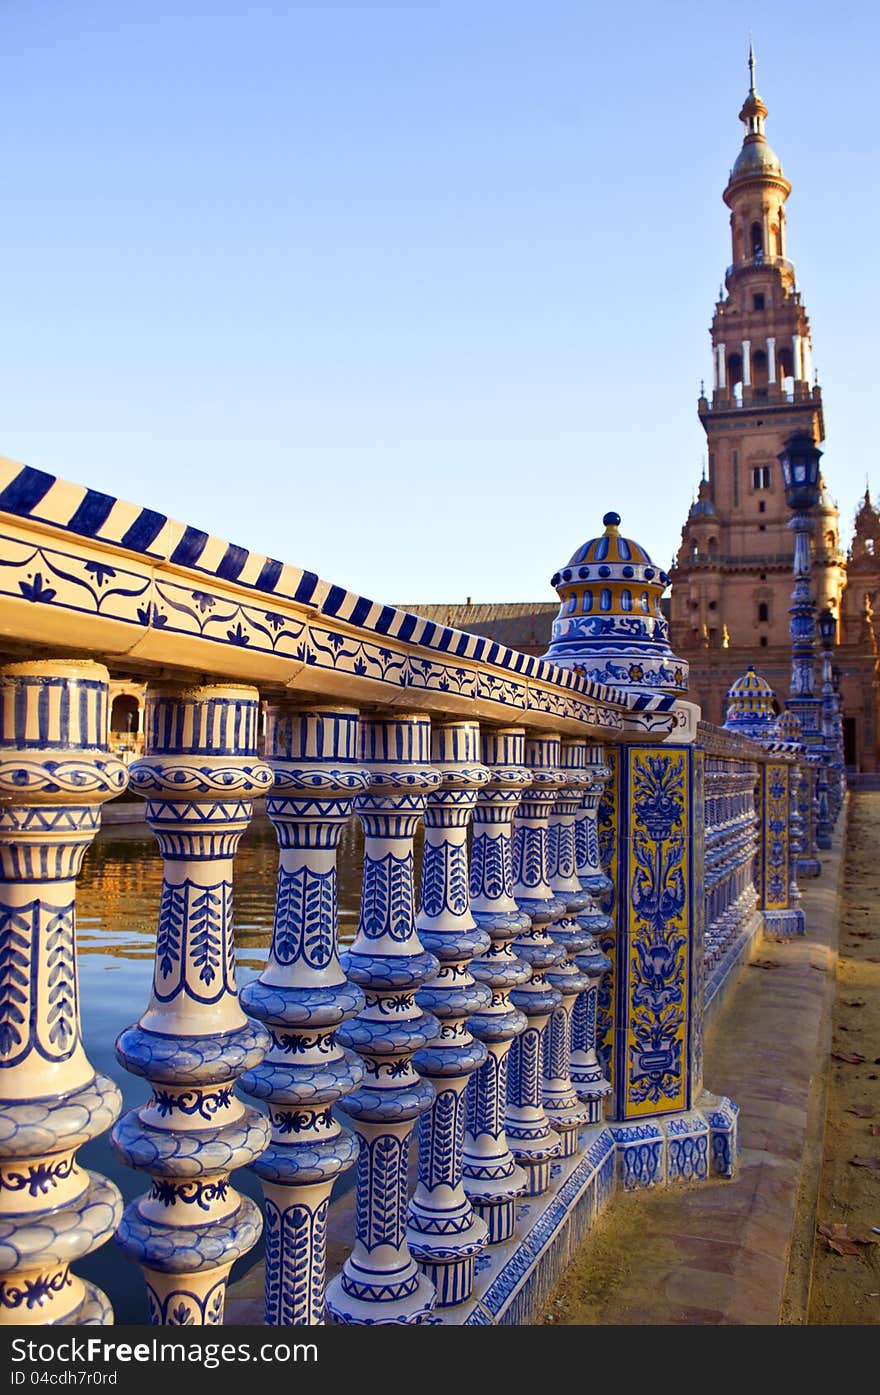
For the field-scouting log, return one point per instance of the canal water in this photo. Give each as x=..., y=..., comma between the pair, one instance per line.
x=117, y=906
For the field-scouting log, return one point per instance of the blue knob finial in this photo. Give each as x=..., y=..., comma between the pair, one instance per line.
x=611, y=520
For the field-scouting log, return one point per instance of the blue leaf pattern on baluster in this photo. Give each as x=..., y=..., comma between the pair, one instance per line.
x=490, y=866
x=61, y=960
x=456, y=882
x=592, y=997
x=206, y=933
x=477, y=863
x=579, y=1022
x=383, y=1223
x=564, y=863
x=517, y=853
x=400, y=925
x=305, y=916
x=16, y=947
x=374, y=896
x=529, y=1066
x=214, y=1307
x=433, y=878
x=580, y=841
x=439, y=1140
x=556, y=1046
x=296, y=1246
x=592, y=843
x=482, y=1098
x=533, y=856
x=553, y=849
x=273, y=1315
x=314, y=1229
x=169, y=937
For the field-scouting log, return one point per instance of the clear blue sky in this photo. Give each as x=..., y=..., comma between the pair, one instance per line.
x=411, y=293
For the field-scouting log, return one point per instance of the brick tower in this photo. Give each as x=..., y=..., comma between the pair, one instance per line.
x=732, y=580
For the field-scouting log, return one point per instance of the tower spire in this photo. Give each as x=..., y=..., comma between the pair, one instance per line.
x=753, y=91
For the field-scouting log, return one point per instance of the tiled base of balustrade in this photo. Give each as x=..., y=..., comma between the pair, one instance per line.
x=721, y=976
x=513, y=1279
x=808, y=867
x=785, y=923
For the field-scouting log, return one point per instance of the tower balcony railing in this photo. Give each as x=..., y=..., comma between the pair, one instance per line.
x=757, y=262
x=723, y=400
x=822, y=556
x=515, y=1013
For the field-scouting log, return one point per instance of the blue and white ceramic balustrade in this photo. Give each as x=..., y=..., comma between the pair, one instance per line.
x=380, y=1282
x=532, y=1139
x=564, y=1109
x=587, y=1074
x=492, y=1178
x=199, y=774
x=788, y=729
x=302, y=997
x=444, y=1232
x=730, y=777
x=55, y=773
x=751, y=712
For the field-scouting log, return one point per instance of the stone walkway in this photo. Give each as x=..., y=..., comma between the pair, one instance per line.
x=734, y=1252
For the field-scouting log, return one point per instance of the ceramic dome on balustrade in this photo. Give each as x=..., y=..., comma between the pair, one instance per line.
x=751, y=710
x=787, y=732
x=610, y=627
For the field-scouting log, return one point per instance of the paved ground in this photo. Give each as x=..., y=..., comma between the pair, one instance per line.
x=846, y=1278
x=735, y=1252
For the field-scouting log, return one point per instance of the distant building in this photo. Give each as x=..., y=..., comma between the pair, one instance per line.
x=522, y=625
x=732, y=578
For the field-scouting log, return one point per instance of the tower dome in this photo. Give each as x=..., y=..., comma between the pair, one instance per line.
x=610, y=626
x=756, y=160
x=826, y=503
x=703, y=507
x=751, y=711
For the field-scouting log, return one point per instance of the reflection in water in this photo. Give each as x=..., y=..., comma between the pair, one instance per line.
x=117, y=906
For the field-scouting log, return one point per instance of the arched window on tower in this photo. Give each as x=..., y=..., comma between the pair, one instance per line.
x=735, y=375
x=785, y=369
x=763, y=612
x=756, y=236
x=759, y=373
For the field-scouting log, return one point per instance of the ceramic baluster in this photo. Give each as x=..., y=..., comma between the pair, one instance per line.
x=586, y=1069
x=199, y=774
x=564, y=1110
x=380, y=1282
x=55, y=773
x=444, y=1232
x=302, y=996
x=492, y=1178
x=533, y=1141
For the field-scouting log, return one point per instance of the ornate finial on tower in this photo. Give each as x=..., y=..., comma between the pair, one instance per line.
x=753, y=91
x=703, y=472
